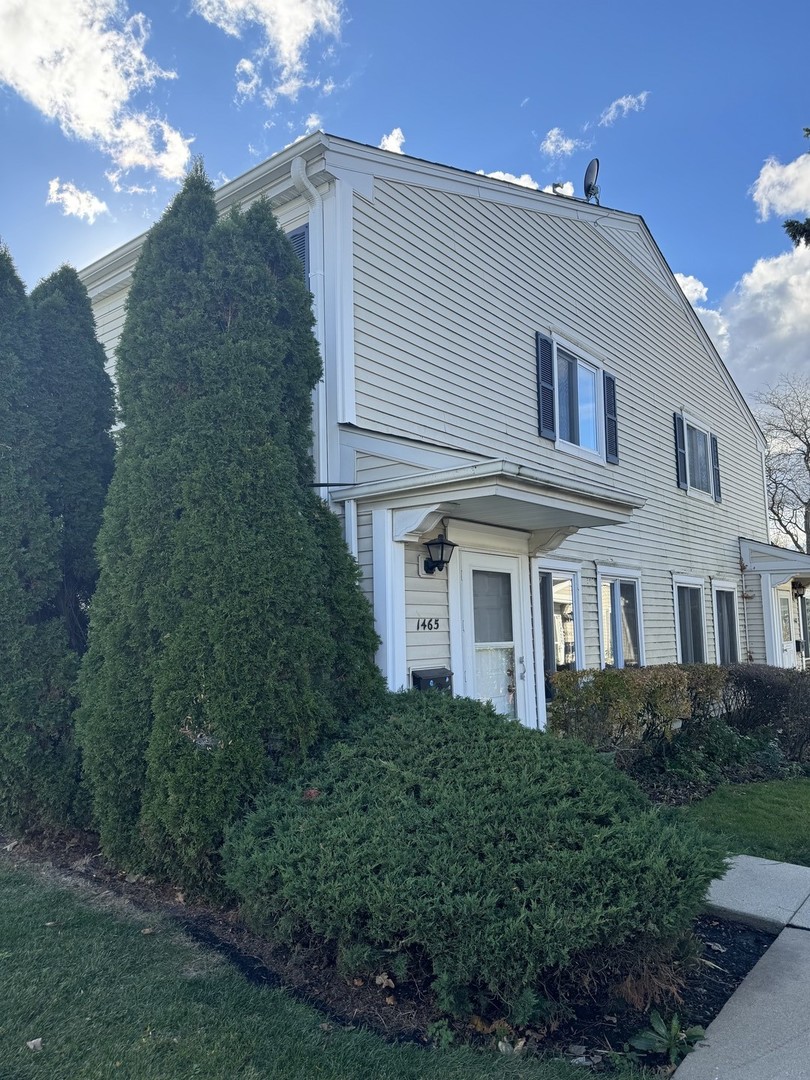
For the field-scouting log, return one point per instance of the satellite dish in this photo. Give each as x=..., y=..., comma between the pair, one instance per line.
x=590, y=185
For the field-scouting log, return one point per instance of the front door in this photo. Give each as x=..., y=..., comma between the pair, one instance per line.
x=497, y=663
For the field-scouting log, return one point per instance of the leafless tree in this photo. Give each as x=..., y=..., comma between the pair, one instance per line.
x=785, y=419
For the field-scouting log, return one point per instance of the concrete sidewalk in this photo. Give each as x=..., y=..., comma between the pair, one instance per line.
x=763, y=1031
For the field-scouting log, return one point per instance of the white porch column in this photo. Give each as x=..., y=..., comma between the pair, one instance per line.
x=388, y=560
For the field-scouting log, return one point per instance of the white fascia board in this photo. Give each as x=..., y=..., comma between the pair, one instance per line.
x=520, y=481
x=352, y=157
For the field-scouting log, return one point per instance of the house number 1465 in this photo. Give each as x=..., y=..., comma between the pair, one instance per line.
x=427, y=624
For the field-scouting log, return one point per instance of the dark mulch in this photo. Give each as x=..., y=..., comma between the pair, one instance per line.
x=403, y=1012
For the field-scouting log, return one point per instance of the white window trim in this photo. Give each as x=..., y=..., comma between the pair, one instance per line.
x=690, y=583
x=566, y=447
x=563, y=569
x=725, y=586
x=691, y=421
x=617, y=573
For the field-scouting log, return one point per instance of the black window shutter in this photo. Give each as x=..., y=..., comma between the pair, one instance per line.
x=680, y=452
x=611, y=425
x=715, y=470
x=545, y=388
x=299, y=238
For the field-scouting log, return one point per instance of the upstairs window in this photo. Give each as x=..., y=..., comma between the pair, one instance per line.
x=697, y=458
x=577, y=400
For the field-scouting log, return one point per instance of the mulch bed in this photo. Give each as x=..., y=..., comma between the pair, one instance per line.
x=405, y=1011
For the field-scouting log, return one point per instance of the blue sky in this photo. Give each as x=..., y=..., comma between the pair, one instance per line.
x=695, y=111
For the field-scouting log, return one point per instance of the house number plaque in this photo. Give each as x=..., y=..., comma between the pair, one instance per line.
x=428, y=624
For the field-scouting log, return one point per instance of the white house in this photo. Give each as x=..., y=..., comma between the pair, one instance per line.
x=520, y=373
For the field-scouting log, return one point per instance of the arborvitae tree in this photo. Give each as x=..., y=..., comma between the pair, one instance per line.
x=132, y=610
x=38, y=767
x=74, y=407
x=228, y=634
x=273, y=648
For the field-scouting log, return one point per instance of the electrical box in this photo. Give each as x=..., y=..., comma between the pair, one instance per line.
x=437, y=678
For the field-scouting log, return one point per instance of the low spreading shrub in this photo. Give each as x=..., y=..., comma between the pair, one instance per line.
x=445, y=840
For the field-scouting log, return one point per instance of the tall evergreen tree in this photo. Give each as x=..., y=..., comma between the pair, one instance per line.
x=132, y=611
x=74, y=405
x=274, y=644
x=38, y=766
x=228, y=634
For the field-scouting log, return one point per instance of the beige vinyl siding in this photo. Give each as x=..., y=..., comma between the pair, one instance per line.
x=364, y=554
x=425, y=598
x=750, y=602
x=637, y=249
x=450, y=284
x=370, y=468
x=109, y=315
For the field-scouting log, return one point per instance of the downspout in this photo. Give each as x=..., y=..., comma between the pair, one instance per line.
x=746, y=596
x=304, y=186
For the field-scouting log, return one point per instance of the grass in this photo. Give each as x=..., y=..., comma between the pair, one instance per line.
x=109, y=1000
x=771, y=820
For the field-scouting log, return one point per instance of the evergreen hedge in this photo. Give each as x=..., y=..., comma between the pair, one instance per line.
x=38, y=763
x=445, y=839
x=74, y=406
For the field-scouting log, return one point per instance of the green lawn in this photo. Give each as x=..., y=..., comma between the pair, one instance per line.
x=109, y=1001
x=771, y=820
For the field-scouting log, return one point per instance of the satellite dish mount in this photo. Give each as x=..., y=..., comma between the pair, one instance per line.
x=590, y=185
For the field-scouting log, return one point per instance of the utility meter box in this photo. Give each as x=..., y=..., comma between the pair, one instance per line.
x=437, y=678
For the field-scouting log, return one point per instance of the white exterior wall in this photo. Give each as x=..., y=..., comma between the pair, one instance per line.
x=458, y=286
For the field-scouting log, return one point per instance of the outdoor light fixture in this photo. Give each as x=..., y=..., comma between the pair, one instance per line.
x=440, y=552
x=798, y=590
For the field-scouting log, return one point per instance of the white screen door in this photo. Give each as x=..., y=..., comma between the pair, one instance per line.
x=497, y=667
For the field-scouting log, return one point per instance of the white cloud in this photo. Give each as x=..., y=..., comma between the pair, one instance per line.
x=693, y=288
x=558, y=188
x=286, y=27
x=80, y=63
x=74, y=202
x=762, y=328
x=557, y=144
x=328, y=86
x=619, y=108
x=524, y=103
x=783, y=189
x=248, y=79
x=313, y=123
x=523, y=181
x=393, y=142
x=114, y=177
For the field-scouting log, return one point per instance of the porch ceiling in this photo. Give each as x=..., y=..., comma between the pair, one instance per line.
x=501, y=493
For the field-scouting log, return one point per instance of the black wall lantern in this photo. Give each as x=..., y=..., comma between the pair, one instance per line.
x=798, y=590
x=440, y=552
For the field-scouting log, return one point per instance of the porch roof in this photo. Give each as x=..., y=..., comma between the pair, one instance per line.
x=765, y=558
x=497, y=492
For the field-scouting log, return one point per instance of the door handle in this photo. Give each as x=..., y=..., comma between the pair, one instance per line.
x=522, y=662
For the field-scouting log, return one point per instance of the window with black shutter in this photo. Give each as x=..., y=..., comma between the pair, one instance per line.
x=576, y=400
x=697, y=458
